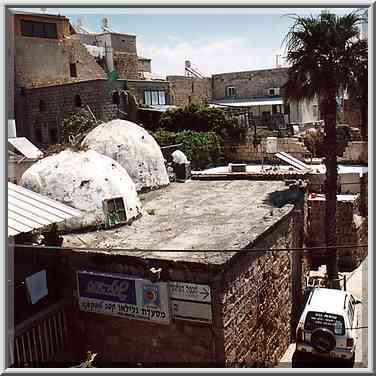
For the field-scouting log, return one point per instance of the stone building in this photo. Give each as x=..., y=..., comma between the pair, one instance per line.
x=196, y=297
x=261, y=92
x=76, y=73
x=49, y=37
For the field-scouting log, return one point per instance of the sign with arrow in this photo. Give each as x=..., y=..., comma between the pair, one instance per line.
x=190, y=301
x=190, y=291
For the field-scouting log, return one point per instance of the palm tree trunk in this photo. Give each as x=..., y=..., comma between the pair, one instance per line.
x=329, y=114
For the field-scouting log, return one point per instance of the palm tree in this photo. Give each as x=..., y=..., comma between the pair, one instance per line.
x=320, y=51
x=358, y=87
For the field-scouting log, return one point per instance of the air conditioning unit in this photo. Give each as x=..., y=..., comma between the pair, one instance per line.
x=237, y=167
x=274, y=91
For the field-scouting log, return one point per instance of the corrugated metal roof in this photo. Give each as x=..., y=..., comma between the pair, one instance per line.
x=25, y=147
x=29, y=211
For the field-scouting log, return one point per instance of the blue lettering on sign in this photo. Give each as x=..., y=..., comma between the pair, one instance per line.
x=109, y=288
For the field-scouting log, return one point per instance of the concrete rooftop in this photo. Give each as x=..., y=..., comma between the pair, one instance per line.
x=196, y=215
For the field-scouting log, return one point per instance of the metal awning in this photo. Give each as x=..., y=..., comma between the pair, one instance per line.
x=155, y=108
x=248, y=103
x=25, y=147
x=29, y=211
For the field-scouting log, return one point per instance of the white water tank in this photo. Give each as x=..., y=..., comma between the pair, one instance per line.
x=12, y=128
x=271, y=145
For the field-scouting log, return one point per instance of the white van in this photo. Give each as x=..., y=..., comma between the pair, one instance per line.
x=327, y=326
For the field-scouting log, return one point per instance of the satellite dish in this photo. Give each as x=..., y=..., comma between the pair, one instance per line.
x=104, y=23
x=187, y=64
x=43, y=10
x=79, y=22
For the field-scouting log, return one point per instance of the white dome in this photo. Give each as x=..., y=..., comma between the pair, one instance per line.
x=83, y=180
x=134, y=148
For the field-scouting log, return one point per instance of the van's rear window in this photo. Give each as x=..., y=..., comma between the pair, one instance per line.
x=315, y=320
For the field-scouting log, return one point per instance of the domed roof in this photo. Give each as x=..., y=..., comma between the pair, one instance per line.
x=85, y=180
x=134, y=148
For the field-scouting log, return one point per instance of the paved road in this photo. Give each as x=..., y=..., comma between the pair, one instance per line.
x=357, y=286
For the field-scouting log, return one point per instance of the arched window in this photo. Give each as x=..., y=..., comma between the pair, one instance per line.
x=77, y=101
x=42, y=105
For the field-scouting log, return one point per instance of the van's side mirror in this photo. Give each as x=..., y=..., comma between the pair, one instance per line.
x=357, y=301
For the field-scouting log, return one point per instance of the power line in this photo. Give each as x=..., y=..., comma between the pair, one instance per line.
x=252, y=250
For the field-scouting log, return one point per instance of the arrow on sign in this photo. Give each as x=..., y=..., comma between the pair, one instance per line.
x=205, y=293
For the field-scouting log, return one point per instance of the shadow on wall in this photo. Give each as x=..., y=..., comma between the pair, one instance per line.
x=279, y=199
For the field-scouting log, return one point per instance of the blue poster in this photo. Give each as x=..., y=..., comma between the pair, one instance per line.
x=107, y=287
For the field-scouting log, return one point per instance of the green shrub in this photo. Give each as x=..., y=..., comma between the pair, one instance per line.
x=201, y=119
x=75, y=124
x=203, y=149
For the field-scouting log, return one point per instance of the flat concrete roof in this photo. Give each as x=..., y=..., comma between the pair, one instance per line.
x=196, y=215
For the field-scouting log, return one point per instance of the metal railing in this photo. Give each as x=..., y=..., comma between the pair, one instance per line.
x=39, y=339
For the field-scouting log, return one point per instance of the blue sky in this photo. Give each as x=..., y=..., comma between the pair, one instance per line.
x=214, y=40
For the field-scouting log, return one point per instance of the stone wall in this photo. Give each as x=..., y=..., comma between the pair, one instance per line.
x=356, y=152
x=254, y=297
x=262, y=297
x=248, y=152
x=42, y=125
x=248, y=84
x=352, y=229
x=185, y=90
x=126, y=65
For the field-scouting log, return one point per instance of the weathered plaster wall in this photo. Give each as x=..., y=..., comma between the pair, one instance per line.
x=57, y=55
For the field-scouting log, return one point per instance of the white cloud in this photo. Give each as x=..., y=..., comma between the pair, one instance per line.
x=207, y=56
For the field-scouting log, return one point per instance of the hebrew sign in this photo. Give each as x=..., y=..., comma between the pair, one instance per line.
x=123, y=296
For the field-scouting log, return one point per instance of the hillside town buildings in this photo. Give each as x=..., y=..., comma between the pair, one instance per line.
x=110, y=255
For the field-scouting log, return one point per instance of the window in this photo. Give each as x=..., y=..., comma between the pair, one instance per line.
x=73, y=70
x=231, y=91
x=77, y=101
x=333, y=322
x=52, y=130
x=156, y=97
x=115, y=210
x=38, y=29
x=38, y=135
x=42, y=105
x=115, y=97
